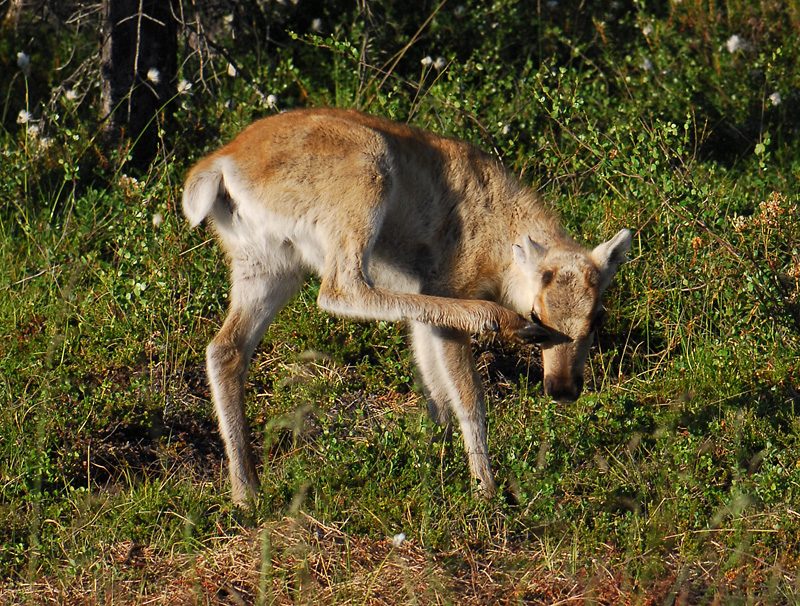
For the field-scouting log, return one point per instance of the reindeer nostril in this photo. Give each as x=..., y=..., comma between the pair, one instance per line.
x=563, y=392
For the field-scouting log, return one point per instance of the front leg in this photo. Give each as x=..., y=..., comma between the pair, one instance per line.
x=346, y=291
x=445, y=360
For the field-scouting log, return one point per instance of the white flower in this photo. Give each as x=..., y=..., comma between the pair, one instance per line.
x=157, y=219
x=70, y=94
x=24, y=63
x=646, y=64
x=734, y=44
x=647, y=29
x=399, y=539
x=739, y=223
x=506, y=129
x=153, y=75
x=184, y=86
x=228, y=19
x=440, y=63
x=24, y=116
x=272, y=100
x=33, y=130
x=316, y=25
x=775, y=98
x=231, y=70
x=426, y=61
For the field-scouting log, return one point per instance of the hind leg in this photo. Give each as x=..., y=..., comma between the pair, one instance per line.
x=255, y=300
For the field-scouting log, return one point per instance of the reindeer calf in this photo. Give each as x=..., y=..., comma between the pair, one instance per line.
x=400, y=224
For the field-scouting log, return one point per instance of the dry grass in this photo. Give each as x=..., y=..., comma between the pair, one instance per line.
x=296, y=561
x=302, y=561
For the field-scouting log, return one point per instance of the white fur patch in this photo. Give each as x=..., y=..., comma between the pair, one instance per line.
x=199, y=195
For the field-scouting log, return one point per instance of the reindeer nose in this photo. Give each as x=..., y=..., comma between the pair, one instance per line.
x=564, y=391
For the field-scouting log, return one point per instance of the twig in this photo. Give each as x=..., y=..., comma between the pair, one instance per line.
x=36, y=275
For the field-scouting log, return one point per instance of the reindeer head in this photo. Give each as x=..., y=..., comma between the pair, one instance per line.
x=566, y=284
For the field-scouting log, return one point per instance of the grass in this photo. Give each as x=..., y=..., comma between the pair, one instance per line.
x=673, y=480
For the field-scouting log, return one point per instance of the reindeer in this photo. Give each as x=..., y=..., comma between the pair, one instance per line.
x=399, y=224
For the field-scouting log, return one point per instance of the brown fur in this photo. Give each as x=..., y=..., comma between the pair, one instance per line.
x=400, y=224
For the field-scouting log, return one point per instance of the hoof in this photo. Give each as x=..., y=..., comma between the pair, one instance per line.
x=486, y=490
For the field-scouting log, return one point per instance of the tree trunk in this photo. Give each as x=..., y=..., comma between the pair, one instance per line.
x=139, y=68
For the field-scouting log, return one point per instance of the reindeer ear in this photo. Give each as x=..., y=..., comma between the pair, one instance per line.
x=528, y=254
x=610, y=255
